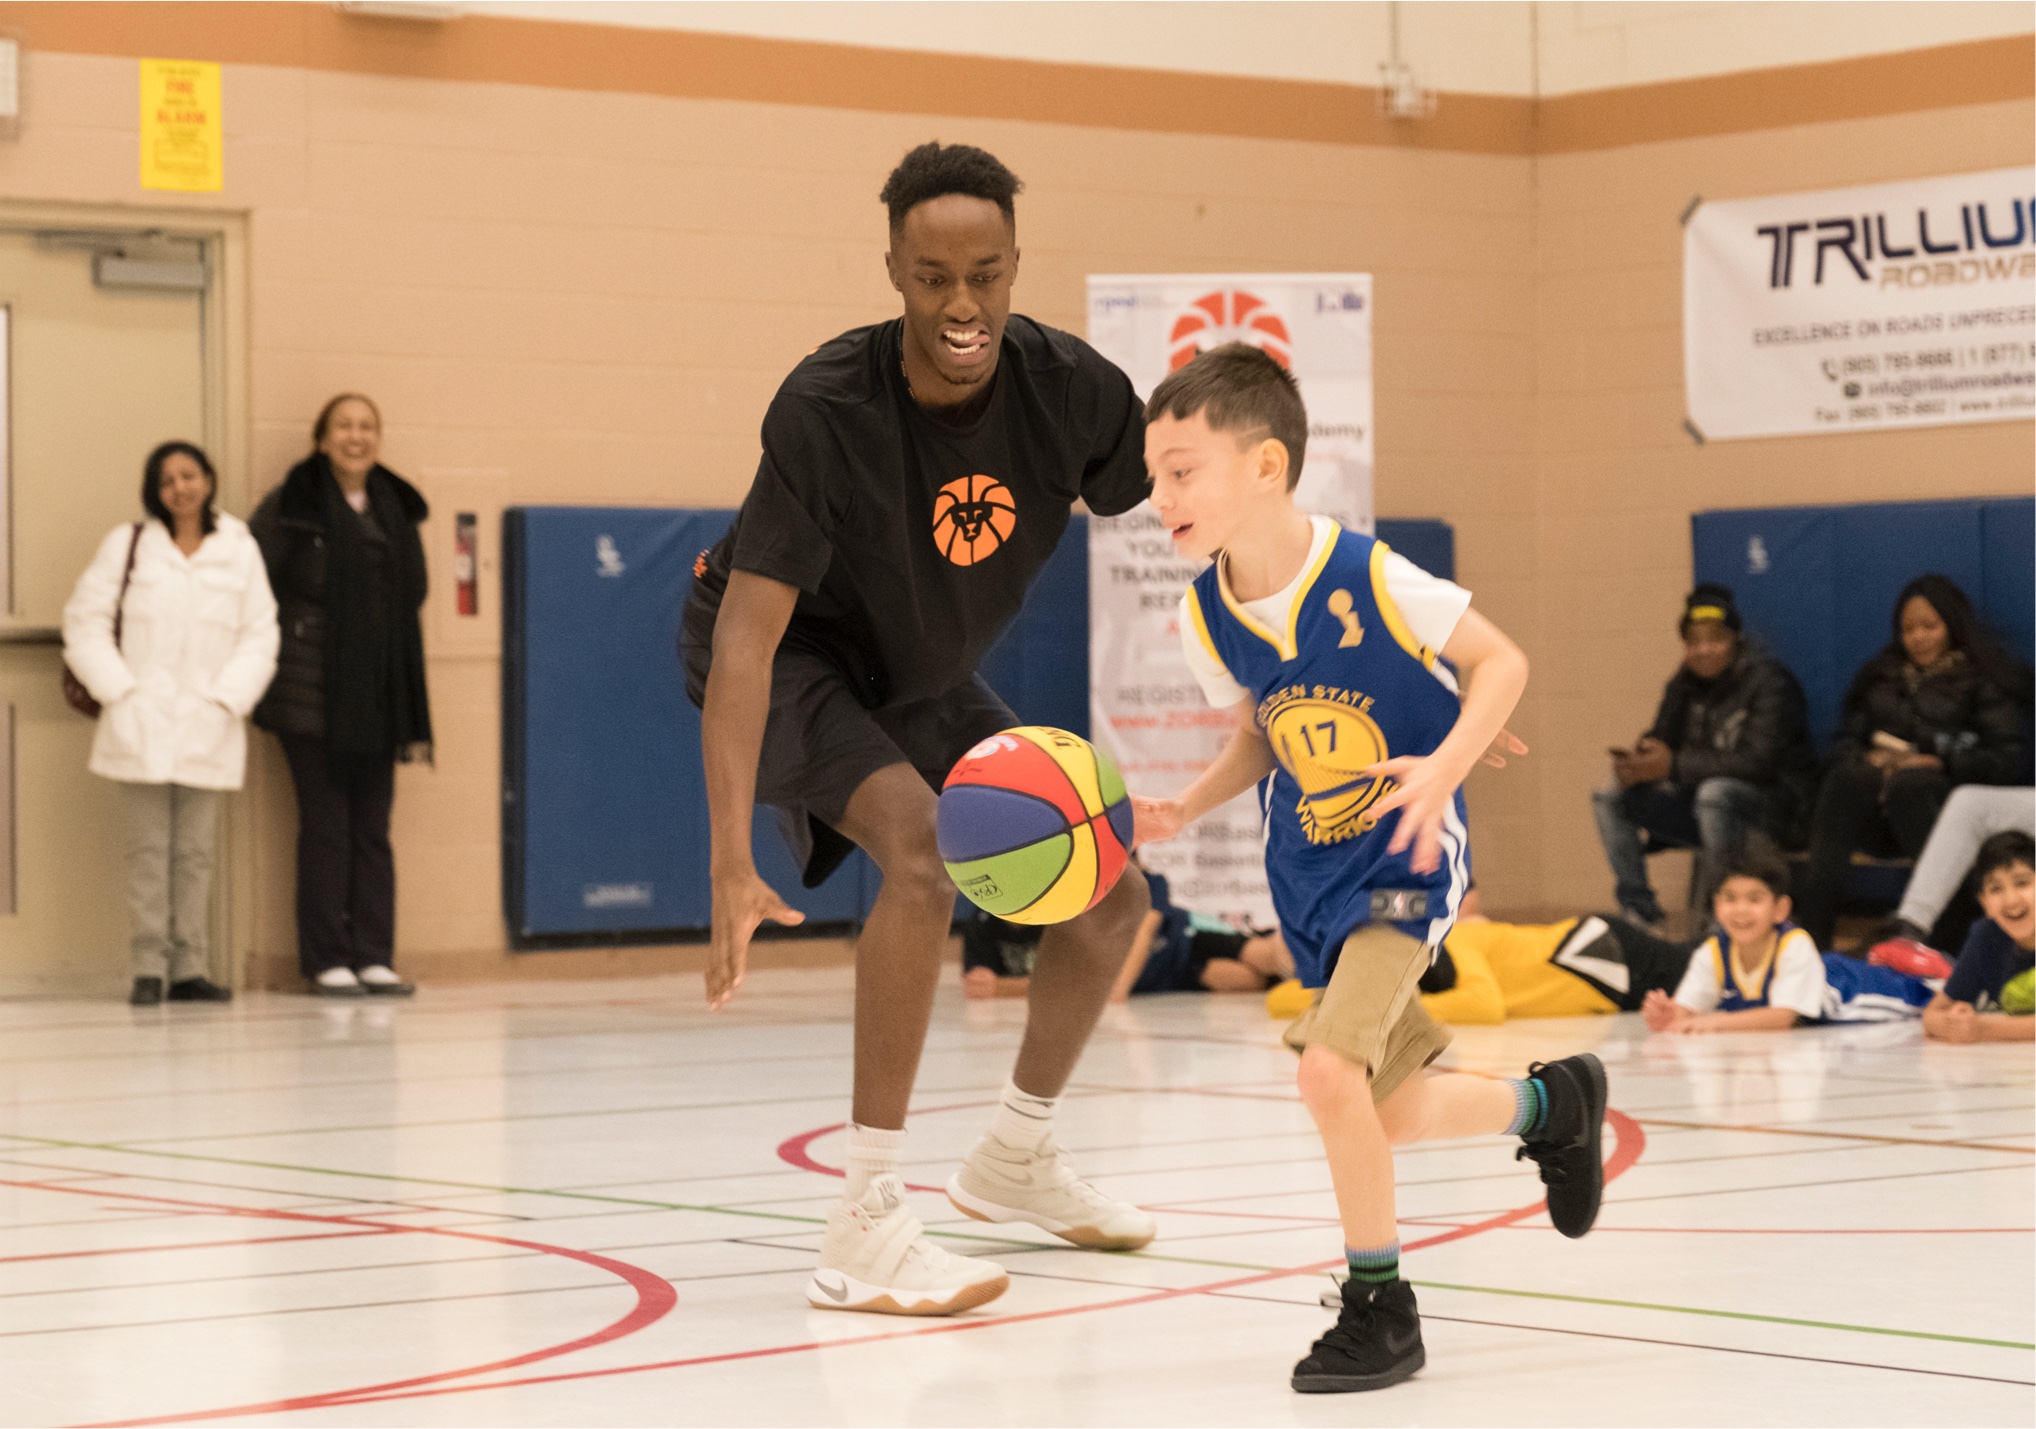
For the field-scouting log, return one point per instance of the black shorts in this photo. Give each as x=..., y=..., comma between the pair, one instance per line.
x=820, y=743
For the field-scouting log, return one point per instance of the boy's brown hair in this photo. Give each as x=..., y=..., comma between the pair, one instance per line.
x=2003, y=850
x=1240, y=390
x=1762, y=864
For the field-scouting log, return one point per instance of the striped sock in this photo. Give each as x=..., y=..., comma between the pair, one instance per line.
x=1530, y=1105
x=1375, y=1266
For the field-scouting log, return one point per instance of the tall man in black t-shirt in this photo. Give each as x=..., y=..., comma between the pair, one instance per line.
x=915, y=477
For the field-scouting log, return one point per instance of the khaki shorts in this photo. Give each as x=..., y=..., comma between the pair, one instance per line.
x=1369, y=1013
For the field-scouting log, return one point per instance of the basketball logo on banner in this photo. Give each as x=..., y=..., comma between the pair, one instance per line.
x=972, y=518
x=1228, y=315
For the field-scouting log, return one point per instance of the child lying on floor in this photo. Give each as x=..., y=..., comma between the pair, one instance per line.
x=1762, y=973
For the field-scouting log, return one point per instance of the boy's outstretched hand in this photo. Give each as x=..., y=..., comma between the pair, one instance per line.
x=1155, y=820
x=1423, y=791
x=1505, y=742
x=1661, y=1012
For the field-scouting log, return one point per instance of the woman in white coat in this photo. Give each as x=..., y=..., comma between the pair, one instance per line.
x=172, y=629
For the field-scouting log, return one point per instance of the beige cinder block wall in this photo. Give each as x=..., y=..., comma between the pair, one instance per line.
x=579, y=295
x=1617, y=478
x=572, y=263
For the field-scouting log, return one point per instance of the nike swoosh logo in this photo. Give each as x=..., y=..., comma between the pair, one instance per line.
x=1402, y=1344
x=841, y=1296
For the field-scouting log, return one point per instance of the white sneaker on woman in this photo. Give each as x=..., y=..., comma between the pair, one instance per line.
x=1000, y=1182
x=875, y=1256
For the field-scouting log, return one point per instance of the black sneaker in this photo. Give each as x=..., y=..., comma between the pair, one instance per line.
x=1569, y=1146
x=148, y=991
x=198, y=989
x=1375, y=1342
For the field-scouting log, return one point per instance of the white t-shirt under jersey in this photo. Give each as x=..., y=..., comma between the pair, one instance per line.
x=1430, y=605
x=1798, y=978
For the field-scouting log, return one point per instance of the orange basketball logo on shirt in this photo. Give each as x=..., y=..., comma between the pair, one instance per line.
x=1228, y=315
x=972, y=517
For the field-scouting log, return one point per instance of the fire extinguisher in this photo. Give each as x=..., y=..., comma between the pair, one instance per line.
x=466, y=564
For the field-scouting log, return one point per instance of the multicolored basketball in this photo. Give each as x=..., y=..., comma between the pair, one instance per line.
x=1035, y=825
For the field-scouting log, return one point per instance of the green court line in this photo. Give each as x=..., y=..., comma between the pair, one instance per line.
x=1723, y=1314
x=994, y=1240
x=644, y=1202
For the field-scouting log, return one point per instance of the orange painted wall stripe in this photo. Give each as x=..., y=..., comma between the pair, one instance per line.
x=687, y=64
x=1981, y=72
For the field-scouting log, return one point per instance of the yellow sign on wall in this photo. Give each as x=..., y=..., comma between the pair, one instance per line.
x=181, y=144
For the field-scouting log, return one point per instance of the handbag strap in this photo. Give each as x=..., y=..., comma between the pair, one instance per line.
x=126, y=575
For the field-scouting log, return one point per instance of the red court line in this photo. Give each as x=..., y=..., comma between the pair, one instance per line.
x=655, y=1298
x=183, y=1245
x=1632, y=1142
x=1776, y=1230
x=794, y=1150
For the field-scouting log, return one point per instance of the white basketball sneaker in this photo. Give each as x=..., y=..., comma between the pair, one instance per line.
x=875, y=1256
x=1000, y=1182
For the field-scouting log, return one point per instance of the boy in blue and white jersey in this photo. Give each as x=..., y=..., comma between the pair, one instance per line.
x=1326, y=647
x=1760, y=972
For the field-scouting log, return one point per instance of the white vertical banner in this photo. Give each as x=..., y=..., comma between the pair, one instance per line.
x=1145, y=706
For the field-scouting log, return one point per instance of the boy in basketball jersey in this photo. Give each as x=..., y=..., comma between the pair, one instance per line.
x=1325, y=645
x=1761, y=973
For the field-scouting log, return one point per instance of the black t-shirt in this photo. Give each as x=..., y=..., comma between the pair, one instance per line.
x=1987, y=963
x=912, y=542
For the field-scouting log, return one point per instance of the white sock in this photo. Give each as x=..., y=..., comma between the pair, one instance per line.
x=1023, y=1120
x=872, y=1152
x=338, y=977
x=379, y=975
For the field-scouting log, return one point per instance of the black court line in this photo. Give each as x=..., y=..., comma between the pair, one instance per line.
x=779, y=1168
x=548, y=1074
x=453, y=1260
x=1786, y=1186
x=293, y=1198
x=680, y=1108
x=180, y=1320
x=441, y=1262
x=1671, y=1344
x=299, y=1049
x=1652, y=1163
x=1825, y=1099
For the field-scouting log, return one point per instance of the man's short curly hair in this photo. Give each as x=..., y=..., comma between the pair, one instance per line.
x=933, y=170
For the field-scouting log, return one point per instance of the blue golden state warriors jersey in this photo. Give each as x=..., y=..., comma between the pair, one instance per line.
x=1345, y=685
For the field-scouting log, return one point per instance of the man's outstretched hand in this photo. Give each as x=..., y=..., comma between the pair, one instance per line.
x=742, y=902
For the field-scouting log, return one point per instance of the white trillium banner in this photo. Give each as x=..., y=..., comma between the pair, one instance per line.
x=1896, y=305
x=1146, y=707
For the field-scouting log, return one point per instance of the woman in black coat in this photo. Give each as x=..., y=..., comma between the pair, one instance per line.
x=340, y=540
x=1942, y=705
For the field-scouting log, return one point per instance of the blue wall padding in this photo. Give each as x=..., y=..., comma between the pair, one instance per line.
x=1817, y=584
x=2007, y=559
x=1431, y=545
x=604, y=800
x=1041, y=665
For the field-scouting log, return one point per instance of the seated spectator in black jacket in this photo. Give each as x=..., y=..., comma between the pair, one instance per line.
x=1942, y=705
x=1729, y=752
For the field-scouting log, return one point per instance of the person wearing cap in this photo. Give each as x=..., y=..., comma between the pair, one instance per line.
x=1728, y=753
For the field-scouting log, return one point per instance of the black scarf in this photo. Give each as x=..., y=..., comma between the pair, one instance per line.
x=375, y=698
